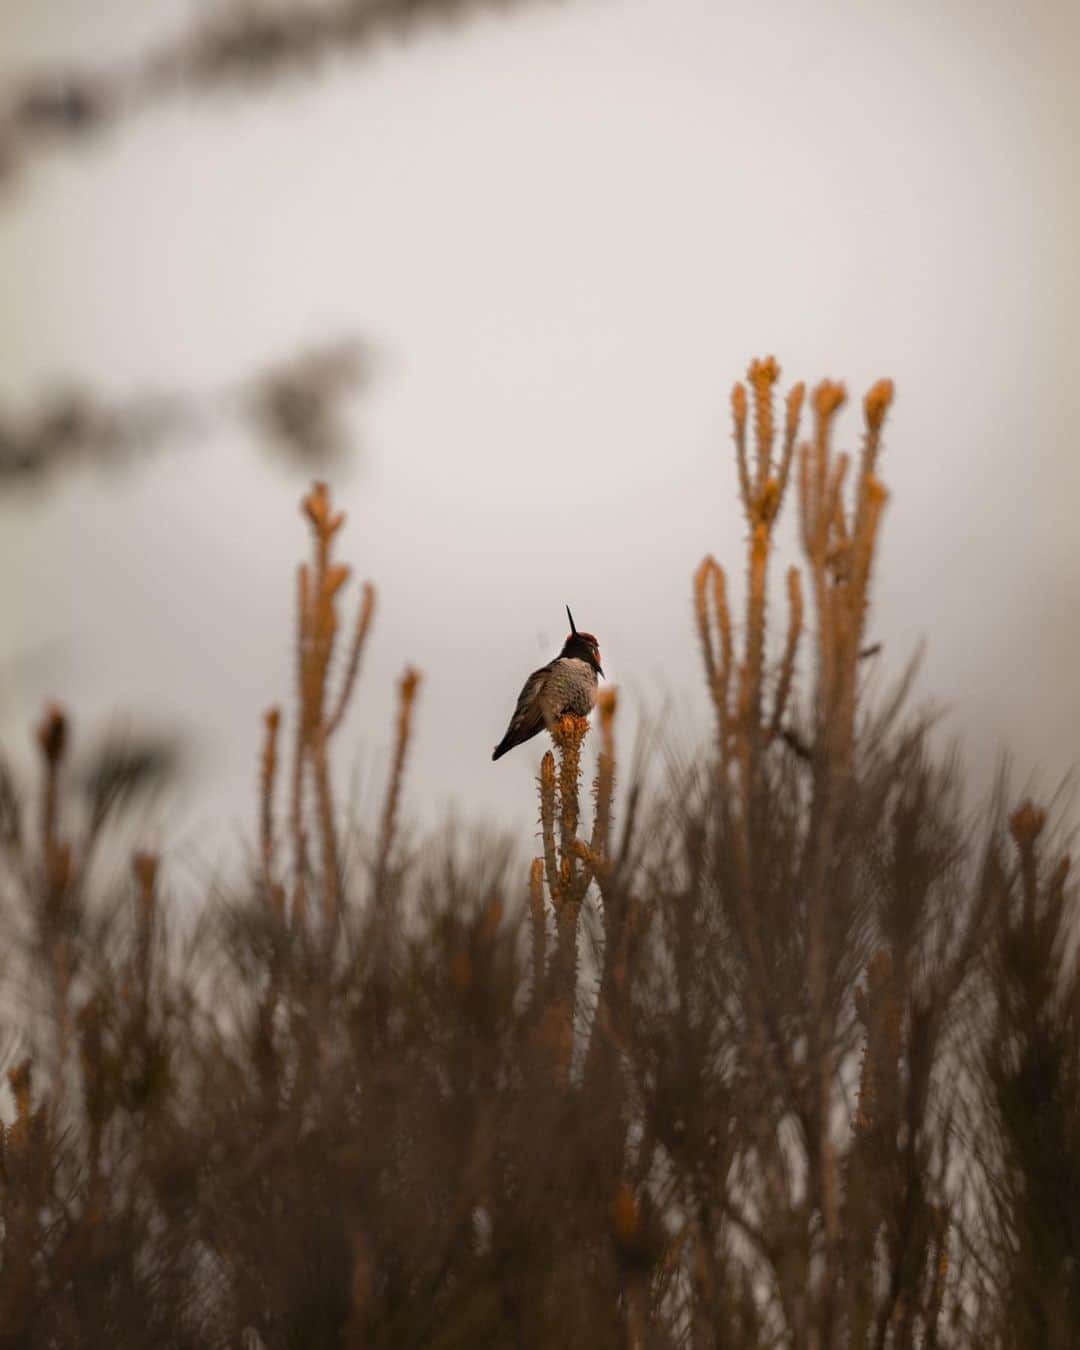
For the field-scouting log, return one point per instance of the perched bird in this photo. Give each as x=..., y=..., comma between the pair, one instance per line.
x=564, y=687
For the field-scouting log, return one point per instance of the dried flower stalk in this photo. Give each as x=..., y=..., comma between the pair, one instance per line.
x=407, y=688
x=319, y=717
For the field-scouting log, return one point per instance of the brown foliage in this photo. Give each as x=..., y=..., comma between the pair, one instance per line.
x=789, y=1057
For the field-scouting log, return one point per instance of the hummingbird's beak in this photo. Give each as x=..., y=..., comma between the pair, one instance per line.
x=600, y=670
x=571, y=618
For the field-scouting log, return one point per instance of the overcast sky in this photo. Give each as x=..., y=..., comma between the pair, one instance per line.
x=566, y=229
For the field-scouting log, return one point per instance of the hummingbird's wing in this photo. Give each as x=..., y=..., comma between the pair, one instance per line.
x=528, y=718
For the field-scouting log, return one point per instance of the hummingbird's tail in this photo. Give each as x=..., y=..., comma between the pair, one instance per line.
x=507, y=743
x=520, y=730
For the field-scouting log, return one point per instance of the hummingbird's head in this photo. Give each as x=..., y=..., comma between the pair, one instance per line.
x=582, y=645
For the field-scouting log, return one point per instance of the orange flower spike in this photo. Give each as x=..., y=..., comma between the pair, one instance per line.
x=547, y=774
x=738, y=409
x=723, y=617
x=794, y=411
x=877, y=403
x=409, y=684
x=145, y=868
x=701, y=577
x=763, y=375
x=539, y=925
x=738, y=406
x=536, y=884
x=701, y=612
x=52, y=733
x=829, y=398
x=764, y=372
x=316, y=505
x=547, y=825
x=1026, y=824
x=268, y=770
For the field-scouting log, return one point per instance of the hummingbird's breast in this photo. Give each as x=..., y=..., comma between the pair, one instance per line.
x=570, y=689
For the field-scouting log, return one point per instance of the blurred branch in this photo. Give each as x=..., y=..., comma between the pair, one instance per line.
x=245, y=47
x=122, y=770
x=297, y=404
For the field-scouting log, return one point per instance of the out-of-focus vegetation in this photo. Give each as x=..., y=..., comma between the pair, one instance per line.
x=782, y=1050
x=296, y=406
x=233, y=46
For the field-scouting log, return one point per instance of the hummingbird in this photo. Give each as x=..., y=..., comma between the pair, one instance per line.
x=564, y=687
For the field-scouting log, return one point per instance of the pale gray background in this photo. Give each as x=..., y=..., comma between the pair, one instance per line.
x=566, y=229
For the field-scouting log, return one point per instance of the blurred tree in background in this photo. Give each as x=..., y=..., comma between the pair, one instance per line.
x=297, y=405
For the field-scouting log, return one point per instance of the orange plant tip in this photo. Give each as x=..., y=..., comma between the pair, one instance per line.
x=145, y=865
x=272, y=718
x=52, y=732
x=607, y=701
x=828, y=397
x=877, y=402
x=570, y=728
x=764, y=371
x=1026, y=824
x=316, y=505
x=410, y=680
x=738, y=402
